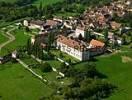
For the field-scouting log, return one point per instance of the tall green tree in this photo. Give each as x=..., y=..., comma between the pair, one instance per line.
x=29, y=47
x=106, y=36
x=88, y=35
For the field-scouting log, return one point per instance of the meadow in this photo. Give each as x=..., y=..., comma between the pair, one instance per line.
x=117, y=72
x=16, y=83
x=2, y=38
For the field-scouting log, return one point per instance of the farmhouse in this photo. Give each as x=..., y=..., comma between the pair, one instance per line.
x=45, y=25
x=79, y=49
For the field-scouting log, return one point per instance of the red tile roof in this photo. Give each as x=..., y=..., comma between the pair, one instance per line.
x=96, y=43
x=70, y=42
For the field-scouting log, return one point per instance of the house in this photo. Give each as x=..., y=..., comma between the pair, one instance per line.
x=25, y=23
x=78, y=49
x=80, y=30
x=96, y=47
x=45, y=25
x=51, y=24
x=114, y=25
x=57, y=19
x=35, y=24
x=72, y=47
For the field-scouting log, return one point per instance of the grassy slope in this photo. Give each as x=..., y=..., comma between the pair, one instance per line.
x=118, y=73
x=2, y=38
x=20, y=41
x=18, y=84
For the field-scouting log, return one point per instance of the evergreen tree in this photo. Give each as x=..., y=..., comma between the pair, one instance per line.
x=41, y=9
x=41, y=54
x=29, y=47
x=88, y=35
x=106, y=36
x=50, y=41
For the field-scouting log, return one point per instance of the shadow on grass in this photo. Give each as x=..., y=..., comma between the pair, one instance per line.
x=90, y=60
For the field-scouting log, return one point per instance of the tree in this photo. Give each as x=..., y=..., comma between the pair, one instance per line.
x=27, y=29
x=29, y=47
x=124, y=41
x=50, y=41
x=106, y=36
x=41, y=54
x=88, y=35
x=45, y=67
x=41, y=10
x=61, y=54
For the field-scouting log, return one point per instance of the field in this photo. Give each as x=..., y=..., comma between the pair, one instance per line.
x=46, y=2
x=18, y=84
x=117, y=72
x=2, y=38
x=21, y=39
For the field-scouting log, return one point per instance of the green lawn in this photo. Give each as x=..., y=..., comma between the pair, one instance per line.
x=16, y=83
x=2, y=38
x=51, y=76
x=118, y=73
x=21, y=39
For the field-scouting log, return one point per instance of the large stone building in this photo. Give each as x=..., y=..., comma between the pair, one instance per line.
x=79, y=49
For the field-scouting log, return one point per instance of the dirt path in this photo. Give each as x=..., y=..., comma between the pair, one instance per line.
x=9, y=36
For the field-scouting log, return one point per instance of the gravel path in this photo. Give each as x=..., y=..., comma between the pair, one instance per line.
x=9, y=36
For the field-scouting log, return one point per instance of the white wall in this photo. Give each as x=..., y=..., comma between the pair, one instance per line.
x=71, y=51
x=78, y=32
x=33, y=26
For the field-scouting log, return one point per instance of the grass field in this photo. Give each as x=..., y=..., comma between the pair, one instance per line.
x=21, y=40
x=2, y=38
x=16, y=83
x=117, y=72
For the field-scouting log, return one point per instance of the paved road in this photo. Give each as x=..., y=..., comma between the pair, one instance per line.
x=10, y=36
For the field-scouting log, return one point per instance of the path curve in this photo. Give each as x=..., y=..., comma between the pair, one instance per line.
x=10, y=37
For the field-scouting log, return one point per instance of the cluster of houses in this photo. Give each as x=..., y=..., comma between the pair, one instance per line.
x=91, y=19
x=101, y=17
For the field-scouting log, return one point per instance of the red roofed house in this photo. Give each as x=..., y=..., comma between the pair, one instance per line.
x=79, y=50
x=97, y=47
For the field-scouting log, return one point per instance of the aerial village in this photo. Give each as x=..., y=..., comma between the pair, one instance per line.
x=89, y=35
x=63, y=52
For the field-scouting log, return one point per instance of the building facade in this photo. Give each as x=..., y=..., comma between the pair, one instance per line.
x=77, y=49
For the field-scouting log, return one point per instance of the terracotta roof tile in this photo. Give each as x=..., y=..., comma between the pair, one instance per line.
x=70, y=42
x=96, y=43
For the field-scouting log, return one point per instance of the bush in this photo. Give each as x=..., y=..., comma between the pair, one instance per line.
x=46, y=67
